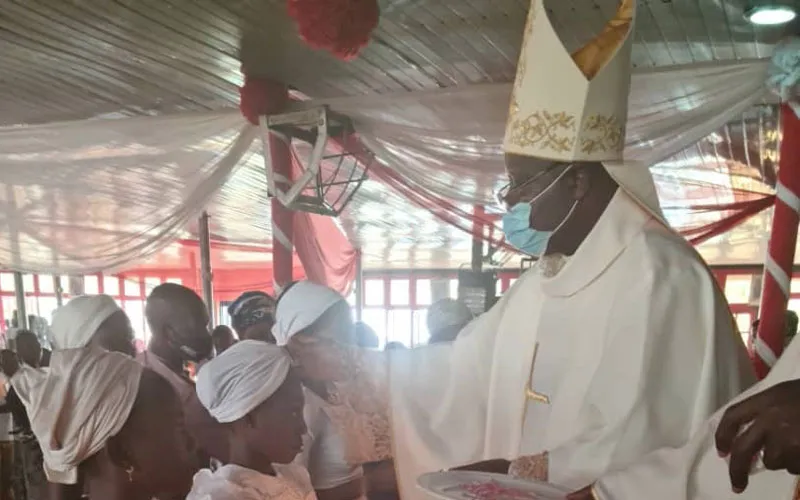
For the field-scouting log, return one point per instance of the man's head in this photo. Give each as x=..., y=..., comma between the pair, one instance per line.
x=29, y=350
x=178, y=320
x=9, y=363
x=252, y=316
x=223, y=338
x=565, y=199
x=445, y=320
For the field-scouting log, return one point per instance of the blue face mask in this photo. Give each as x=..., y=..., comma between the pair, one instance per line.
x=519, y=234
x=517, y=224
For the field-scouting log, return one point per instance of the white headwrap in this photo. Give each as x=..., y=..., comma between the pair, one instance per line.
x=302, y=305
x=77, y=404
x=234, y=383
x=75, y=323
x=447, y=313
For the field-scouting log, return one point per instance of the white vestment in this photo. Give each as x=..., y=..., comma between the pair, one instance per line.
x=636, y=349
x=695, y=471
x=324, y=448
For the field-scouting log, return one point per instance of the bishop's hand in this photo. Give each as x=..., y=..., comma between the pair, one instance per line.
x=768, y=423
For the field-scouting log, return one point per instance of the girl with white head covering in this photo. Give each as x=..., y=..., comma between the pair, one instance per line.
x=251, y=389
x=95, y=320
x=104, y=415
x=342, y=419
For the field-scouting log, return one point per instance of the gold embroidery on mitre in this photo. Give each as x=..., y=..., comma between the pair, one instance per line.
x=513, y=108
x=543, y=129
x=602, y=133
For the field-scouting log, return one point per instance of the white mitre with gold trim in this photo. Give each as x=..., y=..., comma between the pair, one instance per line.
x=574, y=107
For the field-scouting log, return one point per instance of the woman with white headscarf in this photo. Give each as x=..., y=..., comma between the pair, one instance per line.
x=346, y=420
x=102, y=416
x=251, y=389
x=92, y=320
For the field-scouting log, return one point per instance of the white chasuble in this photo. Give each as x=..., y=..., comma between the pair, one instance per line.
x=634, y=349
x=695, y=471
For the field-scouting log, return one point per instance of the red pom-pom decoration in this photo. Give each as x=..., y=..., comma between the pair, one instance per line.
x=259, y=96
x=342, y=27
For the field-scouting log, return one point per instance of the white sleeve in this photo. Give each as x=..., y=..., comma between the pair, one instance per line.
x=327, y=465
x=666, y=368
x=695, y=471
x=439, y=395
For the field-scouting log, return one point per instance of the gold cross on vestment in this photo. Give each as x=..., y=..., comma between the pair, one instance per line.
x=529, y=392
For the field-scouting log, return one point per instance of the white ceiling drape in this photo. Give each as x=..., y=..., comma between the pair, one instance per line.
x=82, y=197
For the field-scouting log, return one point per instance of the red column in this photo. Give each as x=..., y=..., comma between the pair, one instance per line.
x=782, y=242
x=282, y=219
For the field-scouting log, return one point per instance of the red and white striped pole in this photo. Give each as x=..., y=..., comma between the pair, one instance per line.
x=282, y=217
x=783, y=239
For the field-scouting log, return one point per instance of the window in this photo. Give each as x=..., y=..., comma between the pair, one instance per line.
x=177, y=281
x=795, y=286
x=135, y=311
x=111, y=286
x=27, y=283
x=131, y=287
x=399, y=292
x=421, y=333
x=47, y=283
x=7, y=282
x=400, y=327
x=737, y=288
x=91, y=285
x=376, y=319
x=150, y=283
x=744, y=321
x=424, y=295
x=374, y=293
x=453, y=289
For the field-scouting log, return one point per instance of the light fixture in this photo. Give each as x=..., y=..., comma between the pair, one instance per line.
x=770, y=12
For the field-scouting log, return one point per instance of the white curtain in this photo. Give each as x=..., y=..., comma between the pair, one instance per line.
x=98, y=195
x=450, y=141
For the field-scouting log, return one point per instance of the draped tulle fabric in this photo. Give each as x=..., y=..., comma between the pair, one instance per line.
x=102, y=195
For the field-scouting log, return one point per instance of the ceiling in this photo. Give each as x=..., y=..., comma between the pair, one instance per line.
x=76, y=59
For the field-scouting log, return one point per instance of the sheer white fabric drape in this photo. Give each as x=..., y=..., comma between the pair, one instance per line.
x=82, y=197
x=450, y=141
x=97, y=195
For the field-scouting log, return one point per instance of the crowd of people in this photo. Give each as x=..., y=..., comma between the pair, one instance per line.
x=613, y=368
x=249, y=425
x=286, y=415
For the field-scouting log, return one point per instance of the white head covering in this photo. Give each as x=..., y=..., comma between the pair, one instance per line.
x=77, y=404
x=300, y=306
x=234, y=383
x=75, y=323
x=447, y=313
